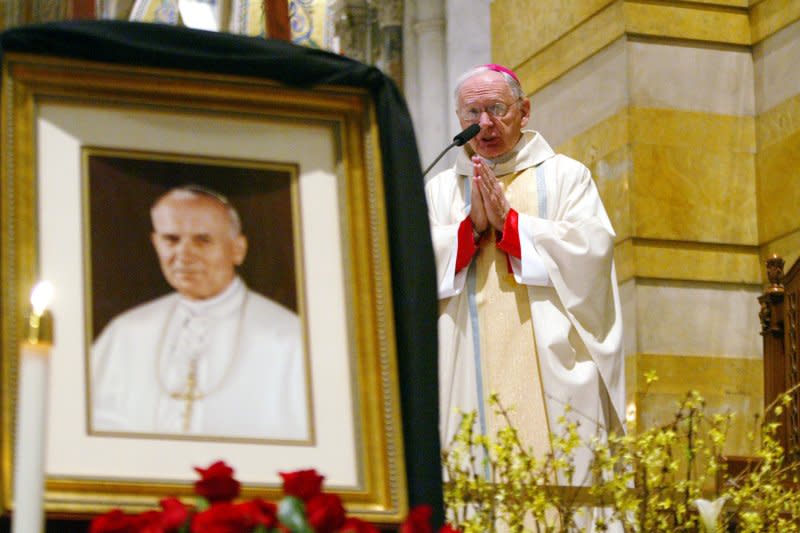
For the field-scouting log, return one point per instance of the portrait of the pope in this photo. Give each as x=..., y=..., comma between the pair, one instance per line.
x=208, y=356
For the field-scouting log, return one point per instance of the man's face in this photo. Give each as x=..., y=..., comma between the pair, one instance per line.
x=498, y=135
x=196, y=246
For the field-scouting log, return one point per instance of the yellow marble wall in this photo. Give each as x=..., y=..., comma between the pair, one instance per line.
x=719, y=380
x=532, y=26
x=775, y=32
x=688, y=115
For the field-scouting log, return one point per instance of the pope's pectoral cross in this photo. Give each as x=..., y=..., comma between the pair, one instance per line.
x=188, y=396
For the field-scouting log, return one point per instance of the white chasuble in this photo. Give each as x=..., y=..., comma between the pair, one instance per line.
x=565, y=276
x=508, y=359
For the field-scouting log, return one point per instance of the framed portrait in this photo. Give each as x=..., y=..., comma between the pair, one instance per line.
x=88, y=150
x=266, y=378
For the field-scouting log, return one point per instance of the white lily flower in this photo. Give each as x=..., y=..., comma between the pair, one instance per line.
x=709, y=512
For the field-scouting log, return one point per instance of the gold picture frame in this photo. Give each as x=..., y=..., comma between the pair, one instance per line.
x=53, y=109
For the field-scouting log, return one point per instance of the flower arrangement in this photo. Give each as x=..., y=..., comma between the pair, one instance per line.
x=662, y=479
x=305, y=508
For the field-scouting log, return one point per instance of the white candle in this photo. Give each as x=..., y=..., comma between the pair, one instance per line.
x=32, y=395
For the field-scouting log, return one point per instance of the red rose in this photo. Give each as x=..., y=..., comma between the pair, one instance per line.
x=354, y=525
x=447, y=528
x=418, y=520
x=303, y=484
x=217, y=483
x=148, y=522
x=260, y=512
x=223, y=517
x=325, y=513
x=114, y=521
x=174, y=515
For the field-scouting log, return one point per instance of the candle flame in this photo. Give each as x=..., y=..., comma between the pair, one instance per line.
x=41, y=296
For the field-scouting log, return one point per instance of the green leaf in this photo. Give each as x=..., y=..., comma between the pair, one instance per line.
x=201, y=505
x=292, y=514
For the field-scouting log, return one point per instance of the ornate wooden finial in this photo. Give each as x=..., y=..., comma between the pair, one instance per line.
x=82, y=9
x=775, y=273
x=278, y=23
x=764, y=314
x=771, y=313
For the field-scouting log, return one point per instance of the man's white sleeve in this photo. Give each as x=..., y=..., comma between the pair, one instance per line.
x=445, y=247
x=529, y=269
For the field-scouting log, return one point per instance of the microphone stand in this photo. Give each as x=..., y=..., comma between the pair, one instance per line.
x=441, y=155
x=468, y=133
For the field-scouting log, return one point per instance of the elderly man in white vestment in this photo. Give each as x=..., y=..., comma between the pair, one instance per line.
x=212, y=358
x=529, y=305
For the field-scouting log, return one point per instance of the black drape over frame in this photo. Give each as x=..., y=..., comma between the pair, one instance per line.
x=412, y=265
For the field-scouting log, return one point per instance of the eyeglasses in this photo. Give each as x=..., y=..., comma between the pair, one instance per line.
x=495, y=110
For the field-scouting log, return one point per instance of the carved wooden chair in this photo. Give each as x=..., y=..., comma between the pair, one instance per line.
x=780, y=327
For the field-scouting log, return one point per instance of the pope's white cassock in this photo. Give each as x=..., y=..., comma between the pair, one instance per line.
x=229, y=366
x=536, y=316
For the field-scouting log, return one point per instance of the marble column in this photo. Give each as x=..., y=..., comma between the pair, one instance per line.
x=442, y=39
x=390, y=38
x=351, y=22
x=18, y=12
x=432, y=98
x=469, y=43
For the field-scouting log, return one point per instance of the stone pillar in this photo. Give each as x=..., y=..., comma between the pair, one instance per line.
x=390, y=38
x=442, y=39
x=9, y=14
x=432, y=98
x=469, y=44
x=351, y=23
x=18, y=12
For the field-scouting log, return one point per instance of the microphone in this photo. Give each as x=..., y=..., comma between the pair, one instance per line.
x=467, y=134
x=459, y=140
